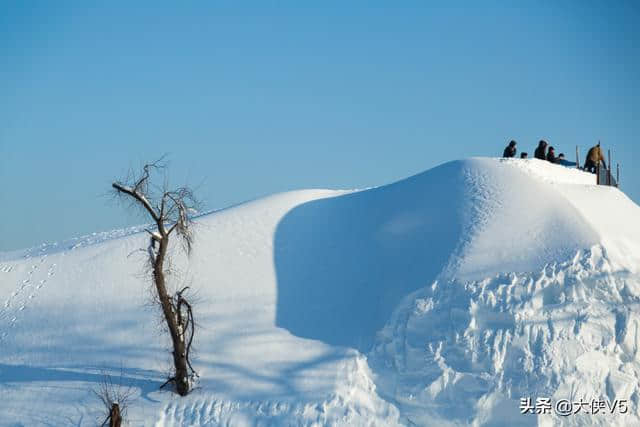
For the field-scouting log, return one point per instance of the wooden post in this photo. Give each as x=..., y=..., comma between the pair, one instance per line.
x=609, y=168
x=618, y=175
x=598, y=173
x=577, y=159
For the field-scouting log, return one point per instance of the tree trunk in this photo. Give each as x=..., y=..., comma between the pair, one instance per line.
x=181, y=377
x=115, y=419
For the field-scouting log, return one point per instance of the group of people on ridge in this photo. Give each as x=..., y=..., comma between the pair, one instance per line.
x=546, y=152
x=541, y=152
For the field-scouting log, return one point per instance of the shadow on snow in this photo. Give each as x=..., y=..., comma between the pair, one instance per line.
x=343, y=263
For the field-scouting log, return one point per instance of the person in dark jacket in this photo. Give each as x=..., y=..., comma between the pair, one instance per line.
x=551, y=155
x=540, y=152
x=510, y=151
x=594, y=157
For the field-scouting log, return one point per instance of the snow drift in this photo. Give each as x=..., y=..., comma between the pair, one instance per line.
x=440, y=299
x=344, y=263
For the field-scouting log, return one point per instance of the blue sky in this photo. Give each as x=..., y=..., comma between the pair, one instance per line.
x=256, y=98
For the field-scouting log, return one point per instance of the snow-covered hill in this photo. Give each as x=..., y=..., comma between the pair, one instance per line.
x=442, y=299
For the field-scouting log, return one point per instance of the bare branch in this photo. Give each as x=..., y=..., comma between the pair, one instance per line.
x=133, y=192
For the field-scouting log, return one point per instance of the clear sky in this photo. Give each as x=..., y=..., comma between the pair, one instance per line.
x=253, y=98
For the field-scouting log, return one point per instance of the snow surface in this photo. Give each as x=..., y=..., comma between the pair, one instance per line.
x=441, y=299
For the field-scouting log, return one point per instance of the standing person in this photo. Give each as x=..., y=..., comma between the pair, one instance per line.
x=594, y=157
x=551, y=155
x=510, y=151
x=540, y=152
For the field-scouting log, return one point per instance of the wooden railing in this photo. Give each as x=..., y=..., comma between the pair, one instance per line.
x=604, y=176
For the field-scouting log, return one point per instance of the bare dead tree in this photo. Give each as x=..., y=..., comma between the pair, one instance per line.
x=115, y=398
x=170, y=211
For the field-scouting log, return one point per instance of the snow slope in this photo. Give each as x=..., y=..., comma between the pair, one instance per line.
x=441, y=299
